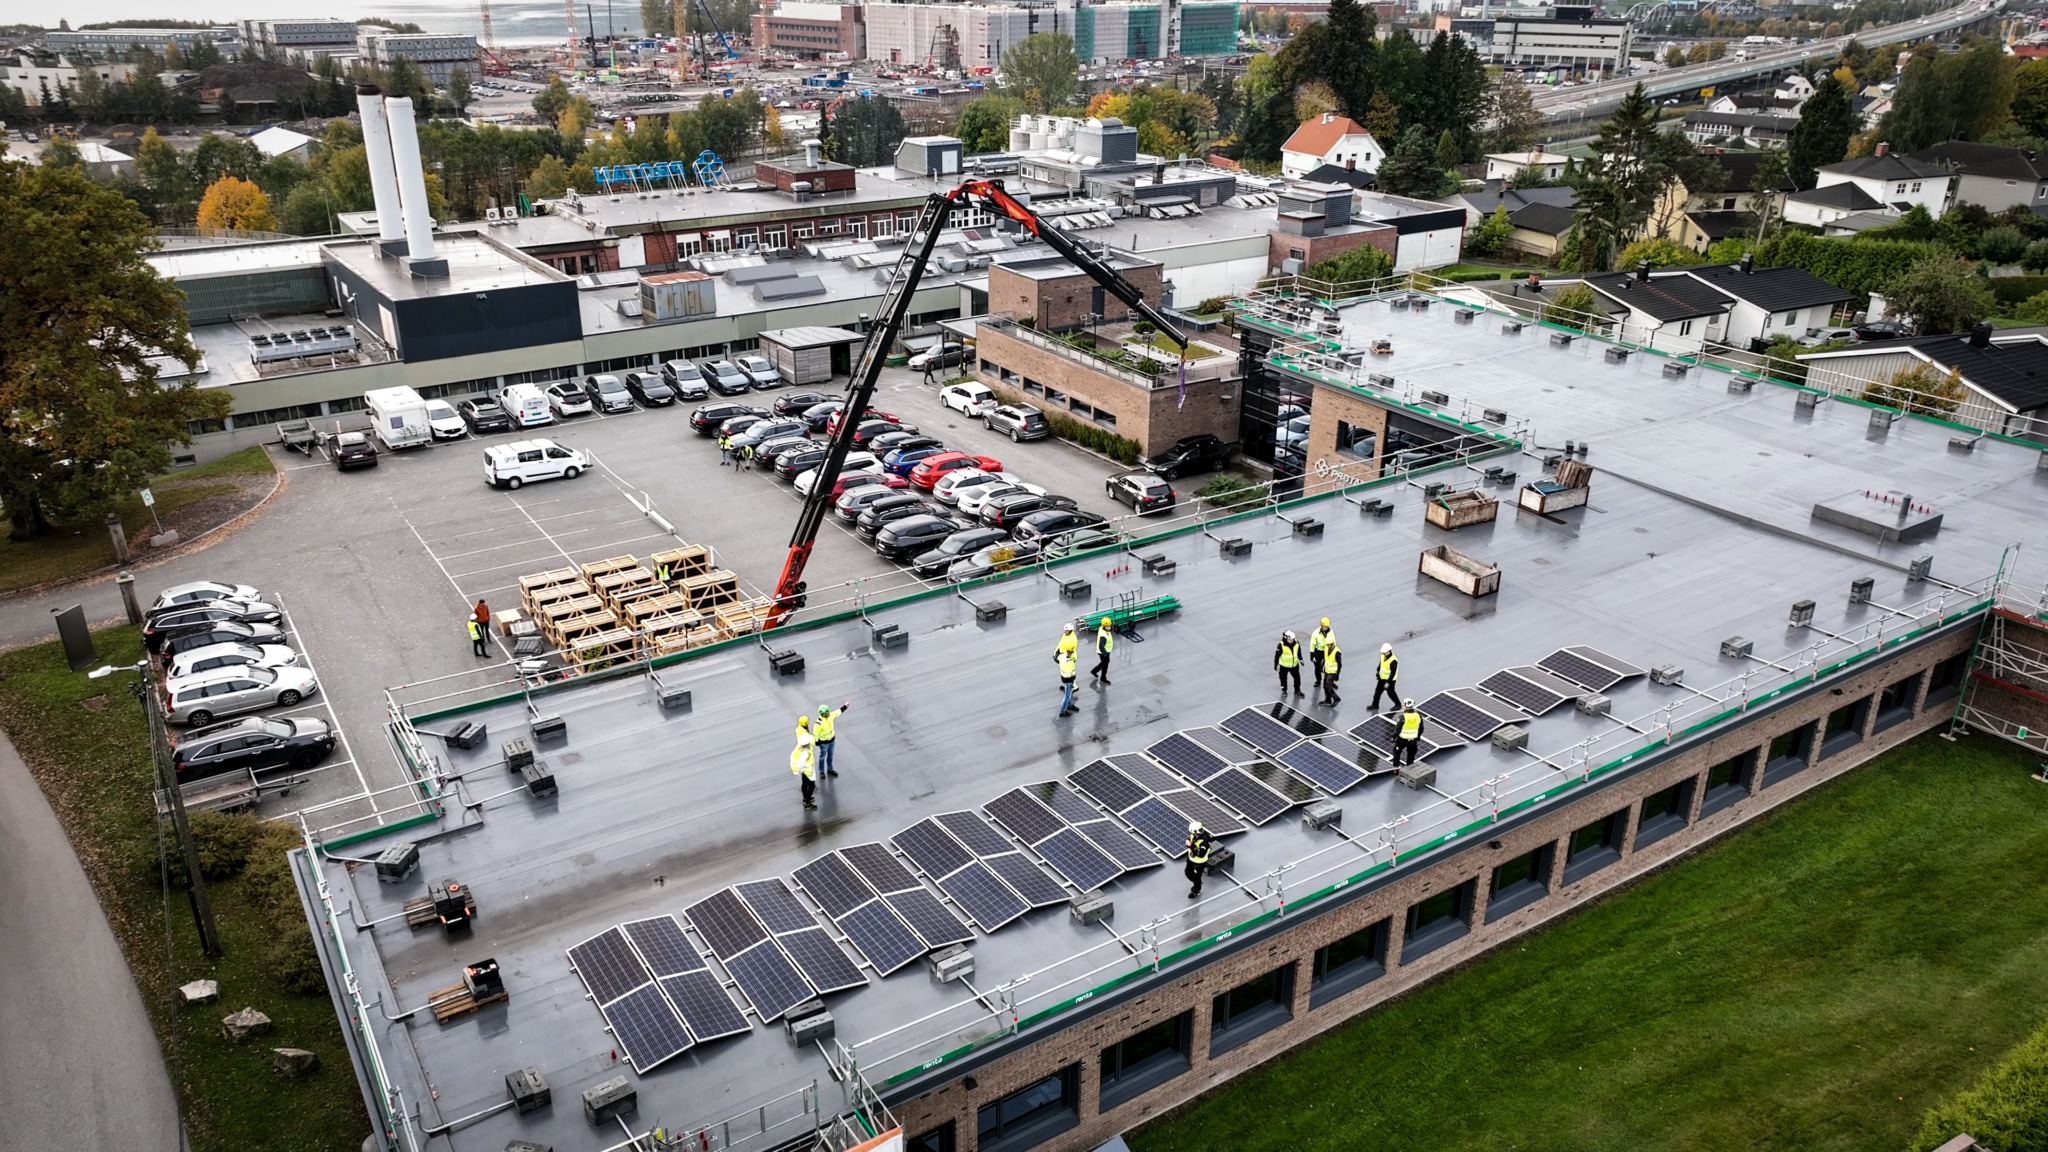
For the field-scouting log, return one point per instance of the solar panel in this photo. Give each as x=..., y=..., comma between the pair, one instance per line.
x=929, y=919
x=662, y=947
x=1286, y=784
x=607, y=965
x=881, y=936
x=1118, y=845
x=725, y=924
x=1188, y=758
x=1459, y=715
x=834, y=885
x=1589, y=666
x=1377, y=734
x=986, y=899
x=1254, y=800
x=1231, y=748
x=816, y=956
x=1110, y=787
x=1192, y=805
x=1026, y=880
x=1322, y=767
x=1066, y=803
x=1024, y=816
x=1146, y=773
x=704, y=1005
x=772, y=901
x=1082, y=863
x=1261, y=731
x=879, y=868
x=931, y=848
x=768, y=980
x=1161, y=825
x=971, y=829
x=1530, y=688
x=647, y=1027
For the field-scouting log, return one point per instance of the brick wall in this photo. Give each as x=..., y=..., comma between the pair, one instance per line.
x=1330, y=407
x=1317, y=249
x=784, y=171
x=1082, y=1041
x=1060, y=303
x=1154, y=418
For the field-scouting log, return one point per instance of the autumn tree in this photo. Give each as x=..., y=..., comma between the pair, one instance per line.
x=231, y=202
x=1382, y=118
x=1511, y=111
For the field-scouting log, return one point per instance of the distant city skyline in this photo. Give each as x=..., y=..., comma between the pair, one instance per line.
x=519, y=22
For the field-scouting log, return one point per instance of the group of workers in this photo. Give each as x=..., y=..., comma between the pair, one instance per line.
x=813, y=751
x=1326, y=659
x=1065, y=654
x=738, y=457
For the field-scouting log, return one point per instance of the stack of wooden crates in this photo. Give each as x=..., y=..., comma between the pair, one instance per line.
x=605, y=610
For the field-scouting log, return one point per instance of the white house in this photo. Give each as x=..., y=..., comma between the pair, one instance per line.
x=1669, y=311
x=1770, y=301
x=1507, y=165
x=275, y=141
x=1794, y=87
x=30, y=76
x=1329, y=139
x=1888, y=178
x=2005, y=379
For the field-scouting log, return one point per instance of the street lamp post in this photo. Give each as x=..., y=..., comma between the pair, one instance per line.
x=167, y=783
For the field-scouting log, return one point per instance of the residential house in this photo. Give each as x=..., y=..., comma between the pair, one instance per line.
x=1891, y=179
x=1770, y=301
x=1329, y=139
x=2004, y=374
x=1508, y=165
x=1756, y=104
x=30, y=74
x=1700, y=218
x=275, y=141
x=103, y=162
x=1856, y=222
x=1794, y=87
x=1991, y=176
x=1825, y=207
x=1540, y=229
x=1669, y=310
x=1707, y=127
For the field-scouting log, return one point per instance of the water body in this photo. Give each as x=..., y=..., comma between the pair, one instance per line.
x=519, y=22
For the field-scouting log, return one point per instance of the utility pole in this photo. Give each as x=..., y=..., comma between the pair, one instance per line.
x=167, y=784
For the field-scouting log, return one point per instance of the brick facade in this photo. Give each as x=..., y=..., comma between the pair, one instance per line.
x=1316, y=249
x=1330, y=407
x=1155, y=418
x=1233, y=964
x=785, y=171
x=1061, y=303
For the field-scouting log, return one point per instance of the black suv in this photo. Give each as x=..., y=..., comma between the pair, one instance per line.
x=221, y=634
x=650, y=389
x=484, y=416
x=961, y=544
x=1202, y=453
x=188, y=618
x=902, y=539
x=794, y=403
x=354, y=450
x=256, y=743
x=1053, y=522
x=1006, y=509
x=789, y=464
x=707, y=419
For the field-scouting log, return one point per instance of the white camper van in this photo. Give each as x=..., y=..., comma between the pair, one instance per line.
x=526, y=404
x=398, y=417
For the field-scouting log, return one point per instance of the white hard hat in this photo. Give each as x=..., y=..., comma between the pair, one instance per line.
x=1194, y=825
x=1408, y=703
x=1287, y=635
x=1070, y=627
x=1386, y=648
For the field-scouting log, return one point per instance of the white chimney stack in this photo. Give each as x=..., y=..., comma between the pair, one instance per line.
x=383, y=180
x=811, y=152
x=412, y=189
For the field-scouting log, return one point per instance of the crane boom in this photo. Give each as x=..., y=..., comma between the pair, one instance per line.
x=790, y=589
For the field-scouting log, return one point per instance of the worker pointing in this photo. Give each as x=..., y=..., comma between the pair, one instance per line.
x=1287, y=661
x=1407, y=733
x=803, y=761
x=1318, y=640
x=1384, y=675
x=1105, y=643
x=1198, y=857
x=823, y=735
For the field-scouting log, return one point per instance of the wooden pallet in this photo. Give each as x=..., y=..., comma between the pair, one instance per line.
x=712, y=589
x=603, y=649
x=554, y=618
x=612, y=585
x=457, y=1000
x=689, y=560
x=540, y=581
x=575, y=633
x=675, y=631
x=637, y=613
x=741, y=617
x=597, y=568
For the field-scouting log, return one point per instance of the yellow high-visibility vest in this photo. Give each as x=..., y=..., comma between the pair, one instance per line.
x=475, y=633
x=1320, y=639
x=1198, y=848
x=1330, y=660
x=800, y=756
x=1411, y=724
x=1067, y=664
x=1068, y=643
x=1105, y=639
x=822, y=730
x=1386, y=666
x=1290, y=653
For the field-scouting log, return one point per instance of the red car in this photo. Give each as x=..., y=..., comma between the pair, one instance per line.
x=856, y=479
x=832, y=421
x=931, y=470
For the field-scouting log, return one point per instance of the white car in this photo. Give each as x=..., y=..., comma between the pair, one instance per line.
x=198, y=700
x=969, y=399
x=956, y=485
x=759, y=370
x=855, y=462
x=214, y=656
x=568, y=399
x=202, y=592
x=444, y=422
x=973, y=498
x=514, y=464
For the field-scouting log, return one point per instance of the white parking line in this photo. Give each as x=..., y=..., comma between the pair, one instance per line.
x=333, y=720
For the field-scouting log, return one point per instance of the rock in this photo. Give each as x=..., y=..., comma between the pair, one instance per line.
x=200, y=992
x=292, y=1063
x=244, y=1024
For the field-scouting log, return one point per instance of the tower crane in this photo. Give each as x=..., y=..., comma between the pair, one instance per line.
x=790, y=589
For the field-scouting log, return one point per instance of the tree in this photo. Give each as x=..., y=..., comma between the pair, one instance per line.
x=866, y=131
x=1941, y=294
x=1575, y=307
x=1448, y=155
x=459, y=94
x=1491, y=234
x=61, y=152
x=1453, y=92
x=1313, y=99
x=1921, y=389
x=231, y=202
x=1630, y=178
x=2001, y=245
x=1382, y=118
x=984, y=125
x=1512, y=112
x=1041, y=70
x=146, y=92
x=1822, y=135
x=553, y=100
x=1410, y=168
x=407, y=78
x=91, y=96
x=1660, y=251
x=304, y=211
x=2035, y=258
x=1950, y=96
x=1361, y=264
x=1674, y=57
x=548, y=180
x=13, y=106
x=1773, y=168
x=83, y=419
x=657, y=17
x=2030, y=96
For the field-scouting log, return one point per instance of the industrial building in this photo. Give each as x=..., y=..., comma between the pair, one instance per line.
x=1574, y=39
x=974, y=35
x=114, y=41
x=437, y=54
x=306, y=37
x=813, y=30
x=31, y=76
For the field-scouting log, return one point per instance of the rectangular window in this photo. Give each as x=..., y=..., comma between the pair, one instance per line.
x=1105, y=418
x=1792, y=318
x=1252, y=1008
x=1663, y=813
x=1945, y=679
x=1031, y=387
x=1844, y=728
x=1356, y=441
x=1031, y=1115
x=720, y=241
x=688, y=246
x=1347, y=963
x=1727, y=782
x=1518, y=883
x=800, y=231
x=857, y=227
x=1787, y=754
x=1143, y=1061
x=1055, y=396
x=939, y=1139
x=745, y=238
x=1081, y=409
x=828, y=227
x=1895, y=703
x=906, y=221
x=1594, y=846
x=1685, y=328
x=771, y=236
x=884, y=225
x=1296, y=254
x=1438, y=920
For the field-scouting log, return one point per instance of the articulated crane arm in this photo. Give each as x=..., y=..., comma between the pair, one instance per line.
x=790, y=590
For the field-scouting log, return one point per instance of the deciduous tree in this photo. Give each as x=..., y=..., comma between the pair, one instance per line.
x=231, y=202
x=1512, y=112
x=1382, y=118
x=459, y=94
x=1941, y=294
x=865, y=132
x=1041, y=70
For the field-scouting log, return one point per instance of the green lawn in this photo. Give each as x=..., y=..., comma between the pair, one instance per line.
x=1167, y=348
x=69, y=550
x=1817, y=980
x=88, y=745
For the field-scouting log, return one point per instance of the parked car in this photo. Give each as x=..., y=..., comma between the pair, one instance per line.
x=214, y=656
x=201, y=592
x=522, y=461
x=852, y=502
x=607, y=393
x=858, y=479
x=1144, y=492
x=832, y=422
x=567, y=398
x=971, y=495
x=225, y=633
x=1078, y=541
x=254, y=744
x=1054, y=522
x=726, y=378
x=707, y=419
x=994, y=559
x=968, y=399
x=354, y=450
x=768, y=451
x=766, y=428
x=1003, y=511
x=650, y=389
x=962, y=543
x=890, y=441
x=1205, y=452
x=444, y=422
x=902, y=460
x=855, y=463
x=955, y=484
x=738, y=424
x=1882, y=330
x=795, y=403
x=197, y=700
x=869, y=429
x=202, y=617
x=484, y=415
x=797, y=461
x=934, y=358
x=909, y=536
x=819, y=416
x=890, y=507
x=686, y=379
x=931, y=470
x=1815, y=337
x=760, y=371
x=1019, y=422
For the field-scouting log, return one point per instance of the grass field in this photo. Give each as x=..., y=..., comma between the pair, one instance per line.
x=69, y=550
x=1815, y=981
x=88, y=745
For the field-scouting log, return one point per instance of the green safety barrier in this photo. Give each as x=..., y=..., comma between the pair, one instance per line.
x=1129, y=614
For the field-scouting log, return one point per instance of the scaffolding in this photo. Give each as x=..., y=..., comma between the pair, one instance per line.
x=2005, y=692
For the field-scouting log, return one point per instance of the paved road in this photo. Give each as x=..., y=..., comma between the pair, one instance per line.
x=79, y=1064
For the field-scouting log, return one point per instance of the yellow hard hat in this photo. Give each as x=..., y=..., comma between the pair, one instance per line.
x=1105, y=621
x=803, y=721
x=1326, y=621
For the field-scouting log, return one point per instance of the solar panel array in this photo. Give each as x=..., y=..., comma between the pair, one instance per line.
x=1190, y=802
x=764, y=974
x=986, y=899
x=639, y=1015
x=1377, y=734
x=904, y=894
x=1056, y=842
x=1589, y=666
x=1530, y=688
x=1302, y=744
x=1468, y=712
x=697, y=994
x=1003, y=858
x=873, y=927
x=1250, y=797
x=808, y=946
x=1101, y=831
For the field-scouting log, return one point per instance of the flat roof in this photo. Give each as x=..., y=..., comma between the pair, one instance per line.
x=238, y=259
x=226, y=348
x=842, y=281
x=1699, y=528
x=475, y=264
x=671, y=209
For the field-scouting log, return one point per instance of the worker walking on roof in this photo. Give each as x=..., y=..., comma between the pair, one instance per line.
x=1063, y=655
x=1105, y=643
x=823, y=733
x=1318, y=640
x=1333, y=663
x=1388, y=669
x=803, y=761
x=1287, y=661
x=1407, y=733
x=478, y=638
x=1198, y=857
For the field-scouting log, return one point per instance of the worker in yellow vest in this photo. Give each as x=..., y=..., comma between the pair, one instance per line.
x=1407, y=733
x=1318, y=640
x=803, y=761
x=1105, y=643
x=1287, y=661
x=477, y=638
x=825, y=734
x=1332, y=664
x=1198, y=857
x=1384, y=675
x=1068, y=665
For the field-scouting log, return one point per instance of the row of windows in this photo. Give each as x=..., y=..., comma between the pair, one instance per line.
x=1052, y=396
x=1159, y=1052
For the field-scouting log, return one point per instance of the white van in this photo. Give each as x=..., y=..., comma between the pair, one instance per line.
x=526, y=404
x=512, y=465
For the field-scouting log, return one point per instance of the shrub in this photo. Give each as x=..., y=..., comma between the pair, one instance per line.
x=1469, y=277
x=2015, y=289
x=2001, y=245
x=2034, y=309
x=2007, y=1109
x=1921, y=389
x=1212, y=306
x=2034, y=258
x=223, y=841
x=1570, y=308
x=1227, y=491
x=1118, y=448
x=1660, y=251
x=1858, y=264
x=294, y=959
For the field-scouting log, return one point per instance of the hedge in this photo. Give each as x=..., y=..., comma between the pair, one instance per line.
x=1468, y=277
x=1860, y=266
x=1118, y=448
x=2006, y=1110
x=2017, y=289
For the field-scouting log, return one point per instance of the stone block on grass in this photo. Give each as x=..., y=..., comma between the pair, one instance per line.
x=244, y=1024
